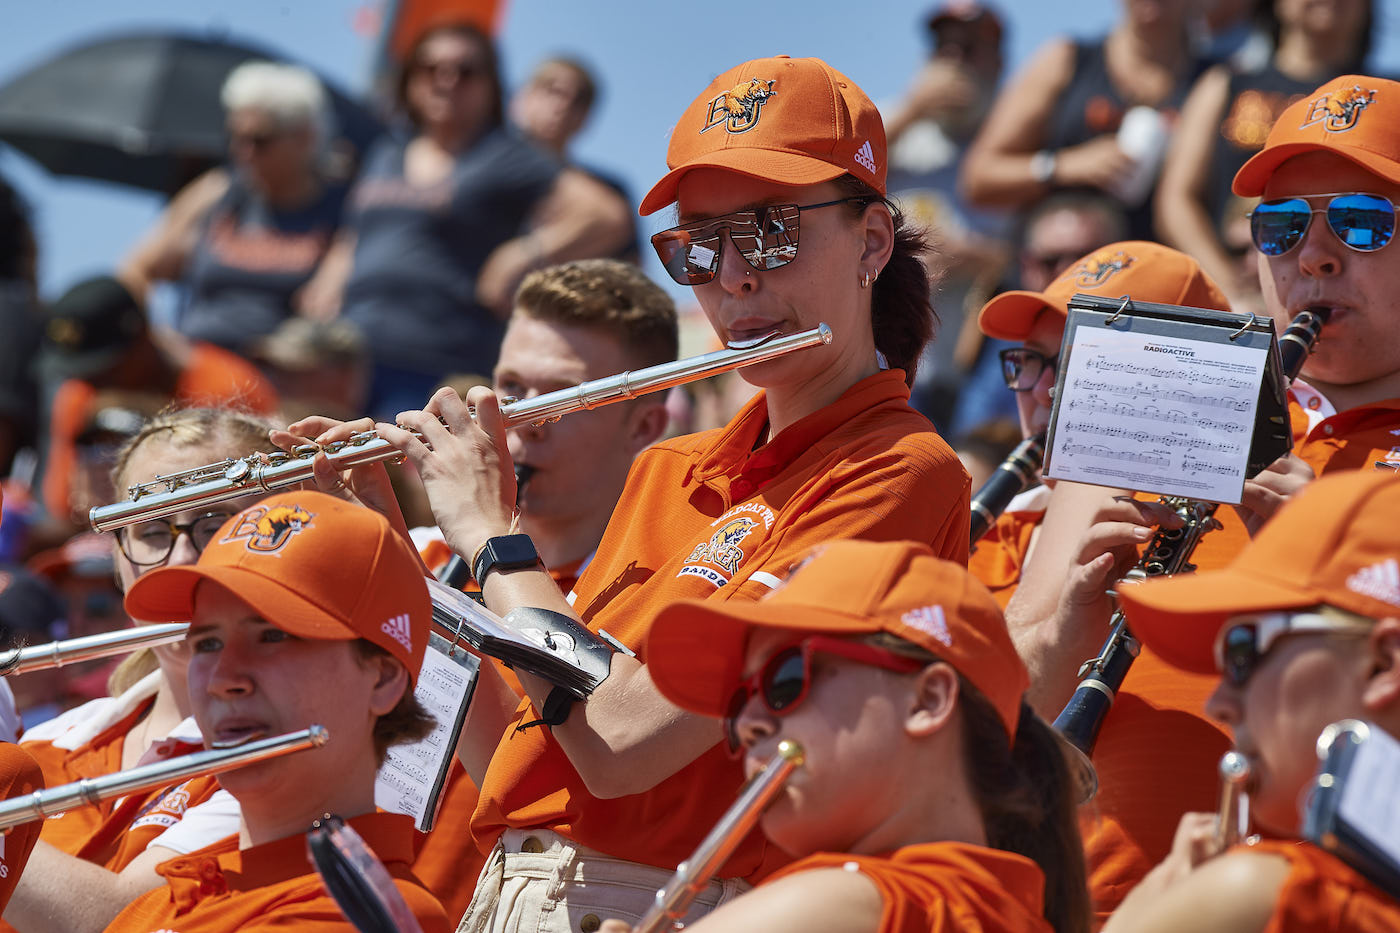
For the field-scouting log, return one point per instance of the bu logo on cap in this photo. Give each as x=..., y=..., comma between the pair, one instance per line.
x=738, y=108
x=1338, y=112
x=268, y=529
x=1100, y=267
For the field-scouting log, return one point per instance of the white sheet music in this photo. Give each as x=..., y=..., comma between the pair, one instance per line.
x=407, y=783
x=1158, y=414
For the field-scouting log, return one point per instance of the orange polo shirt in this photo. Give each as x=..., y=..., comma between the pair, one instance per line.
x=1354, y=439
x=113, y=832
x=19, y=776
x=999, y=558
x=272, y=887
x=1322, y=894
x=716, y=516
x=944, y=887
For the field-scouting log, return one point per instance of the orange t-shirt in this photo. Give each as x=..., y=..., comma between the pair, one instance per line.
x=709, y=516
x=1322, y=894
x=213, y=377
x=942, y=887
x=274, y=886
x=19, y=776
x=114, y=832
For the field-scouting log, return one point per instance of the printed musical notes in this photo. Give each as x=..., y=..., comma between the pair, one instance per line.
x=1160, y=414
x=412, y=776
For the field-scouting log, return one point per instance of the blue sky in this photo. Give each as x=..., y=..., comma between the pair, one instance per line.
x=653, y=56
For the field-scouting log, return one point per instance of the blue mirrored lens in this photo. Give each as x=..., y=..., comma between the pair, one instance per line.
x=1362, y=221
x=1278, y=226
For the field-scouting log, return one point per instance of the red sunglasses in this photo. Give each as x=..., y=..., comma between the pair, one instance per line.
x=784, y=679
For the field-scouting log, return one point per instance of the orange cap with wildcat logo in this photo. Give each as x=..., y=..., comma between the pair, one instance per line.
x=310, y=564
x=1145, y=271
x=695, y=651
x=794, y=121
x=1355, y=116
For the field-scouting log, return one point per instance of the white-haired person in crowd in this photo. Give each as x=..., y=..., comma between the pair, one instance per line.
x=244, y=239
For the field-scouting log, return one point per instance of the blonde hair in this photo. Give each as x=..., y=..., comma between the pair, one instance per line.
x=239, y=432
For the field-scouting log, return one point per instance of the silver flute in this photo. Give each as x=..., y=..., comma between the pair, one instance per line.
x=44, y=803
x=89, y=647
x=218, y=482
x=695, y=872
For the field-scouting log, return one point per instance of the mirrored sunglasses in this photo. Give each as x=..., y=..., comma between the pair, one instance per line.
x=765, y=236
x=1243, y=644
x=1363, y=222
x=784, y=679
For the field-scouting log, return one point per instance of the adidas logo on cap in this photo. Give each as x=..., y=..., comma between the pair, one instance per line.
x=866, y=156
x=398, y=629
x=931, y=621
x=1378, y=581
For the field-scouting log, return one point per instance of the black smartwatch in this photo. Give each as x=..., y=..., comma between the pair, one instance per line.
x=507, y=552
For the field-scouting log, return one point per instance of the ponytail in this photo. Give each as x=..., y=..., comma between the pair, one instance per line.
x=901, y=310
x=1027, y=797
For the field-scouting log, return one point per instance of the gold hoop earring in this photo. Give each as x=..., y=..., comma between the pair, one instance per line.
x=865, y=281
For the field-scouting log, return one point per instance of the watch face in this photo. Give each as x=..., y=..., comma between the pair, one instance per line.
x=513, y=551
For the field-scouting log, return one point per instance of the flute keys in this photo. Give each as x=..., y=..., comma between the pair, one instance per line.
x=238, y=471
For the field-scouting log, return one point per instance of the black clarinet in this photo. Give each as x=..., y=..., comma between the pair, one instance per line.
x=1168, y=552
x=1007, y=481
x=457, y=573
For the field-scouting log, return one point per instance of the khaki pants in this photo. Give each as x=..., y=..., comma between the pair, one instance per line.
x=540, y=882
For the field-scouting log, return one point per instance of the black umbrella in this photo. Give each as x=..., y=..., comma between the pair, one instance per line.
x=141, y=110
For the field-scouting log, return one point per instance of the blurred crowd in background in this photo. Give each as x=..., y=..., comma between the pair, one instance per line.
x=330, y=272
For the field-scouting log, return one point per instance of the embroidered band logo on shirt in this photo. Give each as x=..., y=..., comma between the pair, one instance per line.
x=1379, y=581
x=739, y=107
x=268, y=529
x=1339, y=111
x=931, y=621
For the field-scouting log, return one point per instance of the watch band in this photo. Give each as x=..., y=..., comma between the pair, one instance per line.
x=504, y=553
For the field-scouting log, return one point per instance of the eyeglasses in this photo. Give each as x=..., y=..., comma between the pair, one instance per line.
x=1363, y=222
x=1241, y=646
x=255, y=141
x=151, y=542
x=1022, y=367
x=459, y=72
x=785, y=678
x=765, y=236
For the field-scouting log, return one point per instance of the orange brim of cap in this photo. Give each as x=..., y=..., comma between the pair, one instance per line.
x=1254, y=175
x=1180, y=618
x=695, y=652
x=167, y=595
x=1011, y=315
x=775, y=165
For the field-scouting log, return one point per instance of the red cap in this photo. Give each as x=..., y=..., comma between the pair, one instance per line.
x=1335, y=544
x=1146, y=271
x=695, y=652
x=312, y=565
x=794, y=121
x=1354, y=116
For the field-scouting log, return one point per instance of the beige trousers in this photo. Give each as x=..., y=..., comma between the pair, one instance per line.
x=540, y=882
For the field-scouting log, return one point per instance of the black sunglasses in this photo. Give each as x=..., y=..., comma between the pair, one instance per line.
x=784, y=679
x=1022, y=367
x=765, y=236
x=1363, y=222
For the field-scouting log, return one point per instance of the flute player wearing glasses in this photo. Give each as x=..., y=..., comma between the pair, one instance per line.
x=778, y=173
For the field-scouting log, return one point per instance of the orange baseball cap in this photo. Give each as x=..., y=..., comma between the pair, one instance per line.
x=1355, y=116
x=312, y=565
x=1146, y=271
x=795, y=121
x=1335, y=544
x=695, y=652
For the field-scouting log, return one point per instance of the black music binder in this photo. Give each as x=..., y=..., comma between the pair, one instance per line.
x=1159, y=398
x=1353, y=809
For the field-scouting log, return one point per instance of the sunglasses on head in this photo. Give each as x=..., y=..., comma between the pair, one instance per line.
x=784, y=679
x=1022, y=367
x=765, y=236
x=1243, y=644
x=1363, y=222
